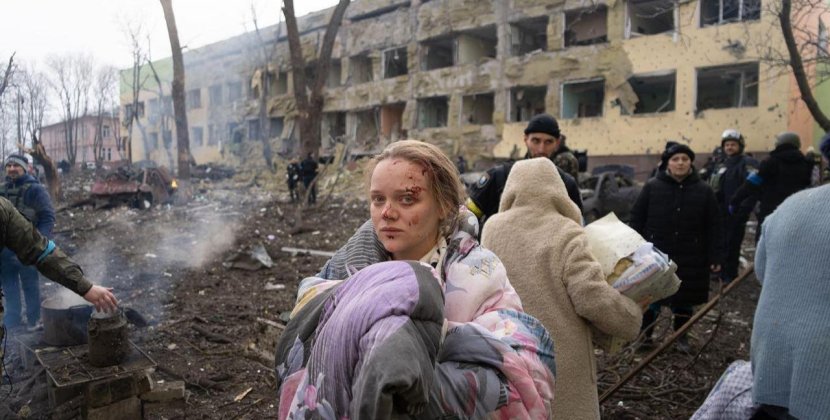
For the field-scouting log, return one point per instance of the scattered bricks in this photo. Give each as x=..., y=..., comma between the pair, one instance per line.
x=168, y=391
x=110, y=390
x=144, y=383
x=128, y=409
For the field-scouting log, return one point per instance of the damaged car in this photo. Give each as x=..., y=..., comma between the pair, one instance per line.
x=609, y=188
x=140, y=185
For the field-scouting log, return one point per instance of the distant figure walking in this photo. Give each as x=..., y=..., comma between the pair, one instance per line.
x=308, y=169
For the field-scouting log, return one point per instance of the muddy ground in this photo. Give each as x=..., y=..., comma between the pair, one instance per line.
x=215, y=327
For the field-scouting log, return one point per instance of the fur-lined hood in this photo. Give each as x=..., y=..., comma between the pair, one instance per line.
x=535, y=183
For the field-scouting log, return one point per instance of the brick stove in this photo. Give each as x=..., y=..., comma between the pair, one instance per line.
x=107, y=392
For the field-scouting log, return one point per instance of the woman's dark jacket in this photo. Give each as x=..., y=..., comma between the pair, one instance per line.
x=682, y=220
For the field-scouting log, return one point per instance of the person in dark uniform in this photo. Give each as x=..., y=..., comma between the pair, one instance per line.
x=308, y=170
x=542, y=138
x=293, y=177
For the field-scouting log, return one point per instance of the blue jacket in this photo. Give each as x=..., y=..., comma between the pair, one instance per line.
x=791, y=332
x=36, y=198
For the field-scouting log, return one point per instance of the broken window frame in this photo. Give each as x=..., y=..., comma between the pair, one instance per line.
x=579, y=108
x=273, y=131
x=335, y=76
x=598, y=8
x=371, y=117
x=525, y=113
x=194, y=98
x=361, y=64
x=747, y=76
x=197, y=136
x=390, y=69
x=669, y=105
x=278, y=82
x=426, y=47
x=441, y=118
x=629, y=34
x=743, y=9
x=215, y=94
x=519, y=32
x=487, y=35
x=477, y=97
x=235, y=91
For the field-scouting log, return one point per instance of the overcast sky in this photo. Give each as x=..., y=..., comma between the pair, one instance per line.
x=37, y=28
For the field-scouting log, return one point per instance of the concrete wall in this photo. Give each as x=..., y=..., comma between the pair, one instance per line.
x=373, y=26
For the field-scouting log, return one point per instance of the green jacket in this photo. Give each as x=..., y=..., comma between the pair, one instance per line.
x=20, y=236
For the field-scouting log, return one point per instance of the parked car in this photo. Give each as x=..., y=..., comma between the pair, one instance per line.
x=609, y=189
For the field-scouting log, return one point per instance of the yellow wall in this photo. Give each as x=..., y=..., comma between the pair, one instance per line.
x=692, y=47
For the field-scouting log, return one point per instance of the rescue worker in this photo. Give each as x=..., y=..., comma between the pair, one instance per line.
x=565, y=159
x=30, y=198
x=293, y=177
x=31, y=248
x=725, y=179
x=542, y=138
x=308, y=170
x=785, y=172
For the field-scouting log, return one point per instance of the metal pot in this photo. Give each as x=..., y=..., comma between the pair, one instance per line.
x=108, y=339
x=64, y=325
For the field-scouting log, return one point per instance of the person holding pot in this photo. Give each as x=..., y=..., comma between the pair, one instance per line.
x=32, y=248
x=678, y=213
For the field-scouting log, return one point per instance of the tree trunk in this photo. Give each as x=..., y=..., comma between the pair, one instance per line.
x=49, y=169
x=178, y=92
x=308, y=94
x=264, y=124
x=7, y=76
x=798, y=67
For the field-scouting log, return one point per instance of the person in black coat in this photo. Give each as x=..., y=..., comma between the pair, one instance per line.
x=785, y=172
x=678, y=213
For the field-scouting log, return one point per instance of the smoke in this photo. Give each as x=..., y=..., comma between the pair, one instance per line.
x=140, y=254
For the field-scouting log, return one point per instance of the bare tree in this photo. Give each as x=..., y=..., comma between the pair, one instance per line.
x=135, y=80
x=34, y=88
x=7, y=75
x=104, y=95
x=72, y=77
x=308, y=92
x=178, y=93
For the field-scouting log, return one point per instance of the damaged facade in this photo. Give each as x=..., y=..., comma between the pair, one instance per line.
x=621, y=76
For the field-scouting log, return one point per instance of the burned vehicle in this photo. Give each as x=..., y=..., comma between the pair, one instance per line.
x=140, y=185
x=609, y=188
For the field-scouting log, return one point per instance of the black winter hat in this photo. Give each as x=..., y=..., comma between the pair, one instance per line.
x=679, y=148
x=543, y=123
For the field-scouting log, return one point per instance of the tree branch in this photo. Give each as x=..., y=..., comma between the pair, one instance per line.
x=798, y=67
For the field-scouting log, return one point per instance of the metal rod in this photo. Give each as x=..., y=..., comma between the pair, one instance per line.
x=706, y=308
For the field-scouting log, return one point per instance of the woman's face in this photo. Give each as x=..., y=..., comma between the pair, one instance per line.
x=404, y=209
x=679, y=164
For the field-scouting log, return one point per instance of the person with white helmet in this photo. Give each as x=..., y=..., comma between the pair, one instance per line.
x=726, y=179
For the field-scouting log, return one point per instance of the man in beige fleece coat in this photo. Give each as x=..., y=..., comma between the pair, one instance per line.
x=538, y=236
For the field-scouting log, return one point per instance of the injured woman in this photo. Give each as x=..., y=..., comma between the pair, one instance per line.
x=412, y=318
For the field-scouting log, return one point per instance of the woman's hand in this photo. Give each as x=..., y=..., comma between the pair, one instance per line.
x=715, y=268
x=102, y=298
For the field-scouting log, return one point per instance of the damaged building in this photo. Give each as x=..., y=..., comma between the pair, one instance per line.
x=622, y=77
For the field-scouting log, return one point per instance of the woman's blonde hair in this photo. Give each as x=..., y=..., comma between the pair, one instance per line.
x=447, y=188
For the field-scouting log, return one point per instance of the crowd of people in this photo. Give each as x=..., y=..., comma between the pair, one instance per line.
x=532, y=279
x=479, y=302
